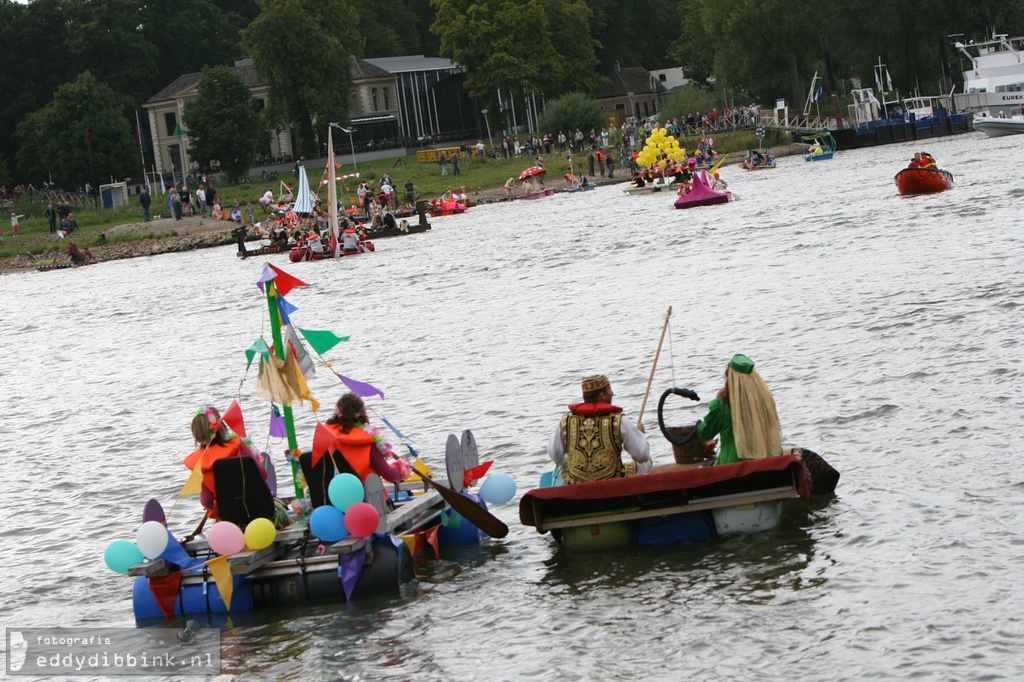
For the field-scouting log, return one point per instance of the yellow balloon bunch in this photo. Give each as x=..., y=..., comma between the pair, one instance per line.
x=660, y=148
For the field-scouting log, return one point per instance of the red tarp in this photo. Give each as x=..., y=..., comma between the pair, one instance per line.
x=669, y=487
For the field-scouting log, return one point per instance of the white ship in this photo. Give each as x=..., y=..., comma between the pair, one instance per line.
x=994, y=77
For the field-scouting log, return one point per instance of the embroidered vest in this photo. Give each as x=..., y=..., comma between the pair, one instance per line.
x=593, y=446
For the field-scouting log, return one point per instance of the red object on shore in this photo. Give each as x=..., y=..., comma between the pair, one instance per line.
x=923, y=180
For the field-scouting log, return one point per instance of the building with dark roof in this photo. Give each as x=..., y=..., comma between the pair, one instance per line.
x=632, y=91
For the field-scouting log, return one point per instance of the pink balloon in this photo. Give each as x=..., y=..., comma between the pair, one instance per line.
x=226, y=538
x=361, y=519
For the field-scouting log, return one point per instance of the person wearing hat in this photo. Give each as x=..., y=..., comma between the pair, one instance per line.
x=743, y=415
x=590, y=438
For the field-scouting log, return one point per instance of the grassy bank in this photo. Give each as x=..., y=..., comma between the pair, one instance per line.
x=475, y=174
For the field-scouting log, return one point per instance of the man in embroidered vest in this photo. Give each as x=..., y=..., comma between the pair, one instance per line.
x=588, y=444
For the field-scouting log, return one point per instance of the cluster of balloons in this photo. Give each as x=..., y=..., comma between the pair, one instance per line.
x=347, y=514
x=658, y=147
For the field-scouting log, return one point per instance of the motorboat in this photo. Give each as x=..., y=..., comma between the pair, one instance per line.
x=1001, y=125
x=923, y=180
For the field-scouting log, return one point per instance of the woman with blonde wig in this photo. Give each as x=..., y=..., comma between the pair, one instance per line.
x=743, y=415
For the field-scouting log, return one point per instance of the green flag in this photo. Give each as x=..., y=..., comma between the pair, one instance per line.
x=260, y=346
x=322, y=340
x=178, y=132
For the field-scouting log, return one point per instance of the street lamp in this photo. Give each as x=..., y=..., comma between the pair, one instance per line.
x=490, y=142
x=351, y=144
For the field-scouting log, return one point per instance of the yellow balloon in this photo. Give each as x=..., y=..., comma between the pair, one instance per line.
x=260, y=533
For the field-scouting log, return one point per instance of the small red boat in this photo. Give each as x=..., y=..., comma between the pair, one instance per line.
x=923, y=180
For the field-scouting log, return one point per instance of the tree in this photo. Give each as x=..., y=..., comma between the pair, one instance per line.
x=512, y=46
x=223, y=123
x=388, y=34
x=81, y=136
x=308, y=70
x=572, y=111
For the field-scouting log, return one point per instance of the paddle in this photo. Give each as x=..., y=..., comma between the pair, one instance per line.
x=474, y=513
x=640, y=419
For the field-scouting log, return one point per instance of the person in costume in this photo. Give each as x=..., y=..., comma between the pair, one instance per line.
x=213, y=441
x=743, y=415
x=362, y=445
x=590, y=438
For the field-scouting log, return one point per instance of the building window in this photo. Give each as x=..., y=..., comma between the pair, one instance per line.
x=661, y=77
x=373, y=95
x=171, y=121
x=387, y=100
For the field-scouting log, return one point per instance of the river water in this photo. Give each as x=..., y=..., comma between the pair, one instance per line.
x=889, y=329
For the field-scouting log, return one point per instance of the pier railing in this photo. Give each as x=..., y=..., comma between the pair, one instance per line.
x=781, y=119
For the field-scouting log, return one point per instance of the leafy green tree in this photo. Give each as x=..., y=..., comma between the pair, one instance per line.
x=108, y=37
x=308, y=70
x=536, y=47
x=34, y=63
x=223, y=123
x=571, y=111
x=81, y=136
x=388, y=34
x=637, y=38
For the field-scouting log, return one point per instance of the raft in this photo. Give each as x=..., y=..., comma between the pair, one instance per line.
x=684, y=505
x=923, y=181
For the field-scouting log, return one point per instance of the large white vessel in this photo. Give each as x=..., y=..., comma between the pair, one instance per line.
x=994, y=76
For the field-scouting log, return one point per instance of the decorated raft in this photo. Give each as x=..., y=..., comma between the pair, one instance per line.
x=687, y=503
x=701, y=194
x=337, y=538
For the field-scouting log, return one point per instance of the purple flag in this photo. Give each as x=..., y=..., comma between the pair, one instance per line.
x=278, y=429
x=359, y=388
x=349, y=568
x=265, y=276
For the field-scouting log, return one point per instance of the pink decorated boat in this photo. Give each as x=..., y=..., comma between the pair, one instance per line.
x=701, y=194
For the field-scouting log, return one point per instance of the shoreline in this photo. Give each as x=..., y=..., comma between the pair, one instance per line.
x=195, y=232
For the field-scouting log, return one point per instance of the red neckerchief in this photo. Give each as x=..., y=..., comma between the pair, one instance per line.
x=593, y=409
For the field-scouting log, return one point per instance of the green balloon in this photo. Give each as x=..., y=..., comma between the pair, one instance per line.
x=122, y=555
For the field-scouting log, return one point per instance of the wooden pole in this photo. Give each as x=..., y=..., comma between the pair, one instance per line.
x=650, y=379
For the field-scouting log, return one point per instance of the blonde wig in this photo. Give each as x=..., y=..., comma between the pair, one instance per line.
x=755, y=423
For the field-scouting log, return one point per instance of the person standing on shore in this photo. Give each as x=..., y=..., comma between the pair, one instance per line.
x=201, y=200
x=444, y=164
x=51, y=217
x=145, y=201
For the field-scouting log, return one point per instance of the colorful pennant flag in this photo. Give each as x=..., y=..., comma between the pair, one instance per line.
x=285, y=282
x=306, y=365
x=349, y=567
x=221, y=573
x=258, y=346
x=361, y=389
x=324, y=441
x=233, y=418
x=285, y=309
x=322, y=340
x=392, y=427
x=474, y=474
x=165, y=591
x=278, y=428
x=194, y=484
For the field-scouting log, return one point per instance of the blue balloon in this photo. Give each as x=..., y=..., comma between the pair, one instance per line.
x=344, y=491
x=122, y=555
x=328, y=524
x=498, y=489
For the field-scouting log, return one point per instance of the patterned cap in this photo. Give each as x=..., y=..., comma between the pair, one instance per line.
x=595, y=383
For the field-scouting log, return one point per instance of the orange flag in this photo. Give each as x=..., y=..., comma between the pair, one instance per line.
x=233, y=418
x=222, y=576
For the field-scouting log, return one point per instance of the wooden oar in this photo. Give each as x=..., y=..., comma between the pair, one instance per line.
x=474, y=513
x=650, y=379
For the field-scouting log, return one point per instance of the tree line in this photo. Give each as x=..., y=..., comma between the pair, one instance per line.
x=76, y=71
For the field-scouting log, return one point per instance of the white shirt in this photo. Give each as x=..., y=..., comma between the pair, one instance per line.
x=315, y=245
x=200, y=194
x=633, y=441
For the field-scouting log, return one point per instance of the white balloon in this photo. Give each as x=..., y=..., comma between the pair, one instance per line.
x=152, y=539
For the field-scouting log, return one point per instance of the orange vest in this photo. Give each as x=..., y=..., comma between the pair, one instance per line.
x=205, y=457
x=355, y=448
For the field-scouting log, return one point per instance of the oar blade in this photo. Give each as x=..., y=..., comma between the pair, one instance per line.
x=470, y=510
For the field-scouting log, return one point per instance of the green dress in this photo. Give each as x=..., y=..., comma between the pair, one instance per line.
x=718, y=422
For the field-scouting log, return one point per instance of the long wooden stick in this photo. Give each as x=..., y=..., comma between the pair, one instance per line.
x=650, y=379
